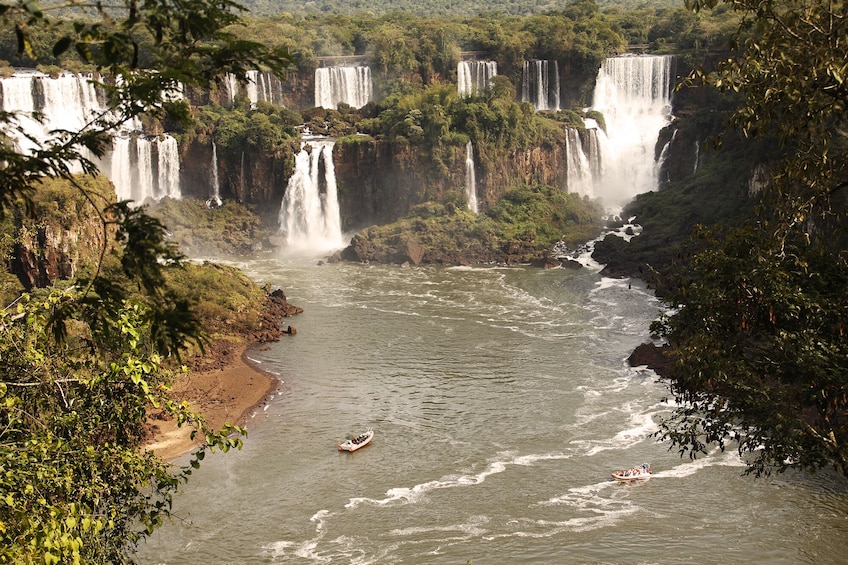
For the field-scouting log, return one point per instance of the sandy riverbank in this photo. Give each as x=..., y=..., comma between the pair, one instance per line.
x=226, y=394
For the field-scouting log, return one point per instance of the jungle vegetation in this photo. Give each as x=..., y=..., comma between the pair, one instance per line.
x=757, y=333
x=81, y=362
x=757, y=329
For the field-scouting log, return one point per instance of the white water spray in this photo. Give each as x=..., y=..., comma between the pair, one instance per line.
x=309, y=215
x=634, y=95
x=540, y=84
x=475, y=77
x=470, y=178
x=138, y=166
x=350, y=85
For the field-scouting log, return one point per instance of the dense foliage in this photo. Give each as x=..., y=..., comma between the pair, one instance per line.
x=81, y=363
x=437, y=7
x=523, y=227
x=758, y=334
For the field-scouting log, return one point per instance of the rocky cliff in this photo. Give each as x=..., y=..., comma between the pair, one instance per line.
x=378, y=182
x=248, y=177
x=63, y=236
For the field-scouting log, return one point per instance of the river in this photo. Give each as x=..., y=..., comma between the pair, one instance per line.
x=501, y=401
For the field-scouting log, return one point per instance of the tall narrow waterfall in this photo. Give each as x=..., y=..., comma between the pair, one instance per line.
x=540, y=84
x=634, y=95
x=474, y=77
x=351, y=85
x=470, y=178
x=215, y=197
x=309, y=215
x=140, y=167
x=580, y=176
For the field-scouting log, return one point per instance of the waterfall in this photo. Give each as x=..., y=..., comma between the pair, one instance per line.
x=474, y=77
x=231, y=88
x=142, y=187
x=67, y=102
x=260, y=86
x=215, y=198
x=584, y=162
x=142, y=168
x=697, y=156
x=634, y=94
x=168, y=163
x=120, y=170
x=540, y=84
x=309, y=215
x=139, y=167
x=580, y=176
x=470, y=178
x=241, y=174
x=350, y=85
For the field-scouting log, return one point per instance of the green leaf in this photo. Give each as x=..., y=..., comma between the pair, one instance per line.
x=61, y=46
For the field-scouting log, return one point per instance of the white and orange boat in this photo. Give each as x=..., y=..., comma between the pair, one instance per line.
x=638, y=473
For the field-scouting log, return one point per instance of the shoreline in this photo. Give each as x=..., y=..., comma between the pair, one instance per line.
x=225, y=394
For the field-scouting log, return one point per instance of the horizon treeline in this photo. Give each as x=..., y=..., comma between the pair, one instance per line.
x=406, y=49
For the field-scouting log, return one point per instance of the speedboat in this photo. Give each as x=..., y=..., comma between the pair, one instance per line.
x=637, y=473
x=361, y=440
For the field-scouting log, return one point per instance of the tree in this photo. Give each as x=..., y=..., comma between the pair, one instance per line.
x=81, y=364
x=757, y=339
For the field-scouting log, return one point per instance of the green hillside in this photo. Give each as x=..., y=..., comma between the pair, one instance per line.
x=441, y=7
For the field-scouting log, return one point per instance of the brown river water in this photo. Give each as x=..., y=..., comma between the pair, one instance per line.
x=501, y=402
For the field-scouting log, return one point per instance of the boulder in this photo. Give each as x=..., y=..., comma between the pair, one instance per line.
x=652, y=356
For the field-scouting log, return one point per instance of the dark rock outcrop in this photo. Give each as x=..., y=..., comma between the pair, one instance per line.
x=652, y=356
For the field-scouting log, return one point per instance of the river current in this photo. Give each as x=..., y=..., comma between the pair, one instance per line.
x=501, y=402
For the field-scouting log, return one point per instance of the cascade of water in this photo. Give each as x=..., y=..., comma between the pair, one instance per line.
x=540, y=84
x=634, y=95
x=143, y=186
x=168, y=159
x=120, y=171
x=697, y=156
x=230, y=84
x=67, y=102
x=70, y=102
x=241, y=174
x=261, y=86
x=470, y=178
x=215, y=198
x=270, y=89
x=350, y=85
x=580, y=176
x=251, y=87
x=309, y=215
x=592, y=148
x=473, y=77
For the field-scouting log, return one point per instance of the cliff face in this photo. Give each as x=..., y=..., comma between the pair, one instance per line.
x=545, y=164
x=66, y=237
x=244, y=176
x=378, y=182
